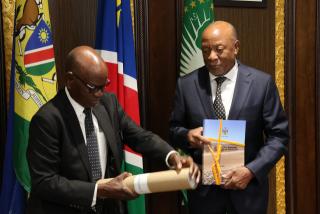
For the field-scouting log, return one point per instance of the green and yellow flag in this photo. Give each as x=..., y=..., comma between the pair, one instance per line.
x=198, y=14
x=34, y=75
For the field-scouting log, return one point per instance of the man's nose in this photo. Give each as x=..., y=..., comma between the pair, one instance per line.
x=213, y=55
x=99, y=93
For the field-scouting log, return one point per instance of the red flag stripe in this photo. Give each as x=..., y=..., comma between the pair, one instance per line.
x=39, y=56
x=131, y=104
x=128, y=149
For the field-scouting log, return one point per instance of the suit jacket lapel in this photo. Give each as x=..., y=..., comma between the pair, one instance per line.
x=73, y=125
x=204, y=90
x=241, y=92
x=104, y=122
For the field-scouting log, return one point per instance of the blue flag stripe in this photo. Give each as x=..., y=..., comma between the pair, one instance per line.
x=129, y=66
x=106, y=28
x=110, y=37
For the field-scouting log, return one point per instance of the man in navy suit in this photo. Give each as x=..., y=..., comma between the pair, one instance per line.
x=246, y=94
x=77, y=138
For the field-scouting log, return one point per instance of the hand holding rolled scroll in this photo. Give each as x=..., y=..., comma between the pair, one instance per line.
x=163, y=181
x=115, y=188
x=178, y=162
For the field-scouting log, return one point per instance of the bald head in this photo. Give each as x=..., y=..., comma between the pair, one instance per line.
x=220, y=47
x=220, y=27
x=86, y=75
x=83, y=59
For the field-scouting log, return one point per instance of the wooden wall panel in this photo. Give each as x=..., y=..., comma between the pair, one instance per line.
x=305, y=103
x=302, y=97
x=317, y=93
x=163, y=63
x=256, y=32
x=160, y=85
x=73, y=24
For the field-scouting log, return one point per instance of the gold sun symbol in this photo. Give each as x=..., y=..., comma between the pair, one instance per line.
x=43, y=35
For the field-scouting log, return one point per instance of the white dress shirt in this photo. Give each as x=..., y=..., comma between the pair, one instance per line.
x=102, y=146
x=227, y=87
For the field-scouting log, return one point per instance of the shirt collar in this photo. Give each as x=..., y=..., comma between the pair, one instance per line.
x=230, y=75
x=76, y=106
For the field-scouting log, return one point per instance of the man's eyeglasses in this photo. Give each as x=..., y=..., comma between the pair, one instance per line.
x=92, y=88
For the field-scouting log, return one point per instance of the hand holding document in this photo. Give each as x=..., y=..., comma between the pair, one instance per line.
x=163, y=181
x=225, y=153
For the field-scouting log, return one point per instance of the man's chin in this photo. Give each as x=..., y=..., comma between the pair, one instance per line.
x=216, y=71
x=95, y=103
x=92, y=104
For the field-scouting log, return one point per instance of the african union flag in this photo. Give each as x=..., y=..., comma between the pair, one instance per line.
x=197, y=16
x=33, y=83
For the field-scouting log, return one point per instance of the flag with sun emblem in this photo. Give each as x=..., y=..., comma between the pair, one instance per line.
x=33, y=83
x=35, y=75
x=39, y=55
x=198, y=14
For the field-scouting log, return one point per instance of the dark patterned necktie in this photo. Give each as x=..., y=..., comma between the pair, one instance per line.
x=217, y=104
x=92, y=146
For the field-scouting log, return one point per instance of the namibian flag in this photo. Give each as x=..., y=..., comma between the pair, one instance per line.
x=114, y=41
x=39, y=54
x=33, y=83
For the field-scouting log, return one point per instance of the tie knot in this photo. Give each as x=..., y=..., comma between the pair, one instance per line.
x=220, y=80
x=87, y=111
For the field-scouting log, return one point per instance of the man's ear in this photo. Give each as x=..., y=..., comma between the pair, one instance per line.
x=236, y=47
x=69, y=78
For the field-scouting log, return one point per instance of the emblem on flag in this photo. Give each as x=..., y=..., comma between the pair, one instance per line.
x=39, y=55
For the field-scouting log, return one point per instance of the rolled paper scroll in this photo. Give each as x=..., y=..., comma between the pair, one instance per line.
x=163, y=181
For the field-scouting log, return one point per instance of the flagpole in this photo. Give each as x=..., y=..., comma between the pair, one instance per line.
x=3, y=106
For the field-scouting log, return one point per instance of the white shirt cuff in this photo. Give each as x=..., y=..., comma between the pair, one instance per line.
x=94, y=200
x=167, y=158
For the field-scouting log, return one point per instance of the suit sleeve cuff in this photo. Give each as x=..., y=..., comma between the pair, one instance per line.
x=255, y=171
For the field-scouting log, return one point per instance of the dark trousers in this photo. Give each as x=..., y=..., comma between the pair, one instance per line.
x=210, y=200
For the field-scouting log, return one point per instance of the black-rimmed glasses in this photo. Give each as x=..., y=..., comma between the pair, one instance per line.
x=92, y=88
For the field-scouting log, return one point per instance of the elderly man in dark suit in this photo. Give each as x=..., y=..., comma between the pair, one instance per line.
x=226, y=89
x=77, y=138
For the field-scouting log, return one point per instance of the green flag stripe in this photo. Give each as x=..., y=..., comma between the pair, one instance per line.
x=41, y=69
x=133, y=169
x=21, y=136
x=136, y=206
